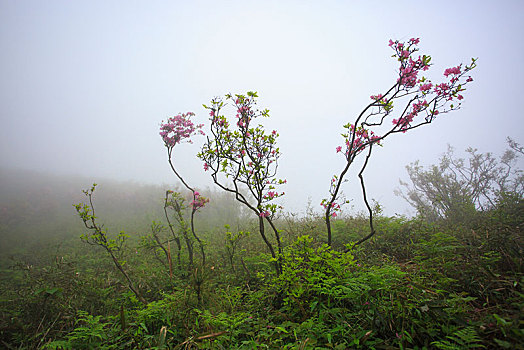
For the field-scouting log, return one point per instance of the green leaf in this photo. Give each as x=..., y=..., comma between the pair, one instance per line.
x=278, y=328
x=502, y=343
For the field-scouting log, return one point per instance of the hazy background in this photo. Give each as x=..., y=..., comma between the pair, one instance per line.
x=85, y=84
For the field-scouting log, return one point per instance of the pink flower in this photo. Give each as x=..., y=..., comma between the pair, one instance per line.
x=441, y=89
x=339, y=148
x=426, y=87
x=178, y=129
x=454, y=70
x=206, y=167
x=199, y=201
x=408, y=74
x=271, y=195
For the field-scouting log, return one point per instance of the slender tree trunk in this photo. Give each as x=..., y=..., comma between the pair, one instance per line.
x=128, y=279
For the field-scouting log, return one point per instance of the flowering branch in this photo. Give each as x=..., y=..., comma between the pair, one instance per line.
x=248, y=156
x=180, y=129
x=422, y=101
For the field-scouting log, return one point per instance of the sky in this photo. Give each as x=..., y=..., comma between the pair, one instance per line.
x=85, y=84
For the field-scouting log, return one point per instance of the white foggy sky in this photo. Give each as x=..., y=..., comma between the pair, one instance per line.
x=85, y=84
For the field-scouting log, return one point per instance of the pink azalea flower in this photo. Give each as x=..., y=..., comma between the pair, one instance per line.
x=426, y=87
x=453, y=70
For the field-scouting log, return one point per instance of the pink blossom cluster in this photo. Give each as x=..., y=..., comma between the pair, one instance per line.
x=218, y=120
x=426, y=87
x=449, y=90
x=438, y=95
x=198, y=201
x=442, y=89
x=362, y=138
x=270, y=195
x=453, y=70
x=408, y=74
x=269, y=209
x=179, y=129
x=379, y=98
x=244, y=112
x=334, y=206
x=409, y=67
x=383, y=103
x=399, y=45
x=405, y=121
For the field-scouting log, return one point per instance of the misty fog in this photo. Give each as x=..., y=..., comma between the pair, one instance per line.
x=86, y=85
x=166, y=252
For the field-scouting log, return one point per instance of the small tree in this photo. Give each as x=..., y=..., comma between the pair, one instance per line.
x=176, y=130
x=248, y=157
x=175, y=202
x=420, y=100
x=457, y=187
x=98, y=236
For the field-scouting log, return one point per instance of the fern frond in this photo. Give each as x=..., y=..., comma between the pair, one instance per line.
x=466, y=338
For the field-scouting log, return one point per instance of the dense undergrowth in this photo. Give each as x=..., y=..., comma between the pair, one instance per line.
x=414, y=285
